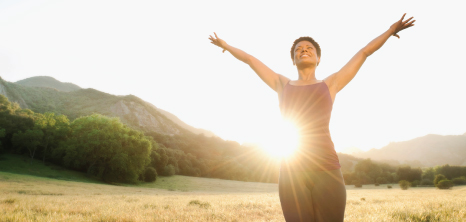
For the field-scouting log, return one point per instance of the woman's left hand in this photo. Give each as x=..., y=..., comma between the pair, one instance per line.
x=400, y=25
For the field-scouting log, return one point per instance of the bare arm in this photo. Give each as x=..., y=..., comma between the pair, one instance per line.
x=340, y=79
x=272, y=79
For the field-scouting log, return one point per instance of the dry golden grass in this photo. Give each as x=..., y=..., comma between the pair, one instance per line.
x=415, y=204
x=30, y=198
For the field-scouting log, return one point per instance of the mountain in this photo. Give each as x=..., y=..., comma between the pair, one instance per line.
x=352, y=150
x=430, y=150
x=48, y=82
x=46, y=94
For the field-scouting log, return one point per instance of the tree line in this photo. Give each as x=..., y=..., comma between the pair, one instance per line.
x=369, y=172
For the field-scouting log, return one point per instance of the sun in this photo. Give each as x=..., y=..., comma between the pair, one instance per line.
x=281, y=140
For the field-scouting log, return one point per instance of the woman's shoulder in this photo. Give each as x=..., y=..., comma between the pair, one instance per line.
x=283, y=80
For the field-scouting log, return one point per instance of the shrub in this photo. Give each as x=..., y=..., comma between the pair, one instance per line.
x=357, y=183
x=444, y=184
x=199, y=203
x=438, y=178
x=150, y=174
x=404, y=185
x=389, y=186
x=9, y=201
x=427, y=182
x=415, y=183
x=376, y=184
x=169, y=170
x=459, y=181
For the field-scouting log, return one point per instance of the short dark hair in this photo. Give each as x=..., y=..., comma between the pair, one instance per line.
x=305, y=38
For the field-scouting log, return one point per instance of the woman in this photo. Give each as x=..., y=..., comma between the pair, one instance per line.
x=311, y=186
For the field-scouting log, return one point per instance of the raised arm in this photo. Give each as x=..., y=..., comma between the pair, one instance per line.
x=272, y=79
x=340, y=79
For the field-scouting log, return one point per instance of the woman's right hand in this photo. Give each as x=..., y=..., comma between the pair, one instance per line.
x=272, y=79
x=400, y=25
x=218, y=42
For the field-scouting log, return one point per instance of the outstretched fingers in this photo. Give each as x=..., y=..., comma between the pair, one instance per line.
x=402, y=17
x=407, y=20
x=408, y=25
x=213, y=40
x=401, y=25
x=217, y=41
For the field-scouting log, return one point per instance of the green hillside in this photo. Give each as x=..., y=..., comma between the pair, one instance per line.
x=131, y=110
x=17, y=164
x=46, y=94
x=48, y=82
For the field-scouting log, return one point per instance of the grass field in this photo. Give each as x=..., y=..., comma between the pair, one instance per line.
x=43, y=193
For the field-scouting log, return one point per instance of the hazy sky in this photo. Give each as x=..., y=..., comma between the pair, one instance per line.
x=160, y=52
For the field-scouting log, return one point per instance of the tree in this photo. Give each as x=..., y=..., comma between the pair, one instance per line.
x=13, y=119
x=428, y=174
x=403, y=172
x=381, y=180
x=169, y=170
x=2, y=134
x=368, y=171
x=150, y=174
x=159, y=159
x=29, y=139
x=375, y=172
x=395, y=178
x=459, y=180
x=450, y=172
x=409, y=174
x=363, y=166
x=106, y=148
x=53, y=128
x=438, y=178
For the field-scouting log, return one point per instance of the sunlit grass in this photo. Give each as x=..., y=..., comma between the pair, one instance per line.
x=27, y=198
x=30, y=198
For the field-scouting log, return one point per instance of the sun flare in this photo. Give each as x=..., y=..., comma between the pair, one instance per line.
x=281, y=140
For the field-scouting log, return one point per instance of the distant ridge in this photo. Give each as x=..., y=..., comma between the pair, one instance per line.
x=48, y=82
x=426, y=151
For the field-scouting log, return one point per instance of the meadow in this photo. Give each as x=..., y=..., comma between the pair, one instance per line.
x=44, y=193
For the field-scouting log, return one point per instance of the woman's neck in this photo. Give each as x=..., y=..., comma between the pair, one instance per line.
x=307, y=74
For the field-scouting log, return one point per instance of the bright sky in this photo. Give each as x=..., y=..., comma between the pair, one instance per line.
x=160, y=52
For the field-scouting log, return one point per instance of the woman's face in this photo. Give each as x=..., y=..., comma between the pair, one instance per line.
x=305, y=53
